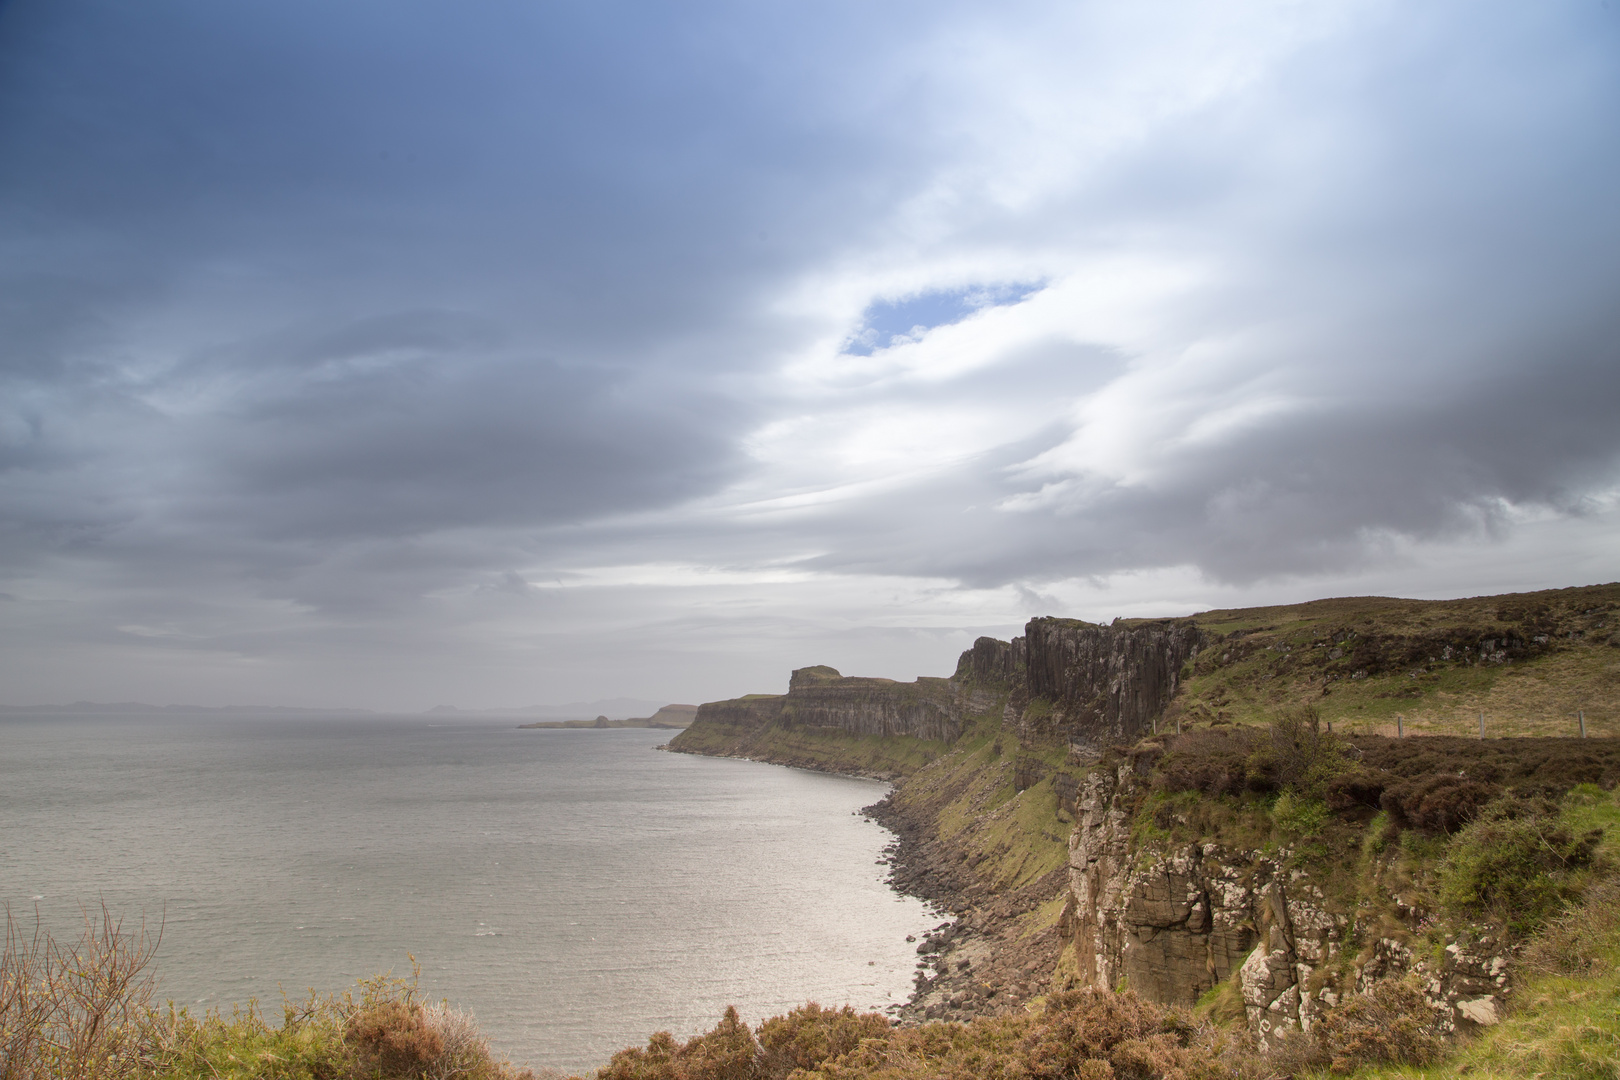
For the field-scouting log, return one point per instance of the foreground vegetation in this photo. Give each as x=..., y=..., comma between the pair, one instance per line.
x=1568, y=1028
x=83, y=1010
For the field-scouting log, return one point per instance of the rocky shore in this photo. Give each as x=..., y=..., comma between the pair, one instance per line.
x=981, y=962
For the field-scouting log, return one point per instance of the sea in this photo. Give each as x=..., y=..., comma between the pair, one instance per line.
x=576, y=890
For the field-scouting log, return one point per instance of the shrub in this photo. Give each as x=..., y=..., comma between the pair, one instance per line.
x=1390, y=1024
x=656, y=1062
x=1307, y=756
x=1580, y=942
x=74, y=1011
x=309, y=1044
x=1441, y=803
x=82, y=1011
x=1355, y=788
x=728, y=1052
x=810, y=1035
x=1515, y=863
x=1217, y=763
x=1082, y=1034
x=1529, y=766
x=393, y=1038
x=1082, y=1025
x=1296, y=815
x=1296, y=754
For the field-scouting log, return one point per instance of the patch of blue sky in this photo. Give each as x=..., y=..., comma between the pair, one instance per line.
x=887, y=323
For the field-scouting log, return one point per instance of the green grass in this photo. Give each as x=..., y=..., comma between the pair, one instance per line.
x=243, y=1046
x=1280, y=656
x=1011, y=838
x=1562, y=1026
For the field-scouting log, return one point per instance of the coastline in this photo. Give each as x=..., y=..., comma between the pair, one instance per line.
x=887, y=777
x=983, y=959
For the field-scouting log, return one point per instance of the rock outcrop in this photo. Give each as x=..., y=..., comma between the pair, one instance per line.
x=926, y=709
x=1089, y=684
x=1063, y=679
x=819, y=697
x=1172, y=921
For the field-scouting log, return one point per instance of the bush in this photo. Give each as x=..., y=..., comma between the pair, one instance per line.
x=1440, y=803
x=1307, y=756
x=810, y=1035
x=1298, y=816
x=1084, y=1025
x=74, y=1011
x=1390, y=1024
x=82, y=1011
x=1527, y=766
x=393, y=1038
x=1217, y=763
x=1082, y=1034
x=1579, y=942
x=1355, y=788
x=728, y=1052
x=1515, y=863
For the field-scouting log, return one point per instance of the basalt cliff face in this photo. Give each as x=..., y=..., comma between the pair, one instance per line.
x=1062, y=681
x=1175, y=920
x=1082, y=683
x=1000, y=745
x=929, y=709
x=821, y=699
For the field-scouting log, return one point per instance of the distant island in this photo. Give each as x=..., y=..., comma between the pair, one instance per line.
x=670, y=717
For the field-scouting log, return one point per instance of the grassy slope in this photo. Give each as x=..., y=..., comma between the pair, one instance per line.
x=1011, y=838
x=1565, y=1023
x=1278, y=656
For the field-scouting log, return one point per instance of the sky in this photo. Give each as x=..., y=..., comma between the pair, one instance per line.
x=506, y=352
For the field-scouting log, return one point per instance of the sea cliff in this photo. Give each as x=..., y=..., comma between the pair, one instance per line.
x=1219, y=811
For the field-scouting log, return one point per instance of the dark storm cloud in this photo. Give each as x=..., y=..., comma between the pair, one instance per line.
x=290, y=191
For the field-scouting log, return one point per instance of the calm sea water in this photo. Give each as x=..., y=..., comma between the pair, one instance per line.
x=577, y=890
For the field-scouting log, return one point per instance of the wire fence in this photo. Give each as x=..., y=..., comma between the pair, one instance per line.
x=1601, y=722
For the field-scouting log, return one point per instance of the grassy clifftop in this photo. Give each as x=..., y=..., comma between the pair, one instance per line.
x=1530, y=661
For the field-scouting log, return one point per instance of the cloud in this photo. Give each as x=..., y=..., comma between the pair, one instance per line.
x=334, y=337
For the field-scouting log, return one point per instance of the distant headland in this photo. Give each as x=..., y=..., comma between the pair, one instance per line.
x=670, y=718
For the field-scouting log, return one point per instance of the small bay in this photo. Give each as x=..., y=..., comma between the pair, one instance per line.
x=576, y=890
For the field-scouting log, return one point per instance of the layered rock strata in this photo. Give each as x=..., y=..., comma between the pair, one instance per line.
x=819, y=697
x=1063, y=679
x=1092, y=685
x=1173, y=921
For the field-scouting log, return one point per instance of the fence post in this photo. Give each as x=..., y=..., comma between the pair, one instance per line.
x=1482, y=723
x=1400, y=726
x=1582, y=714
